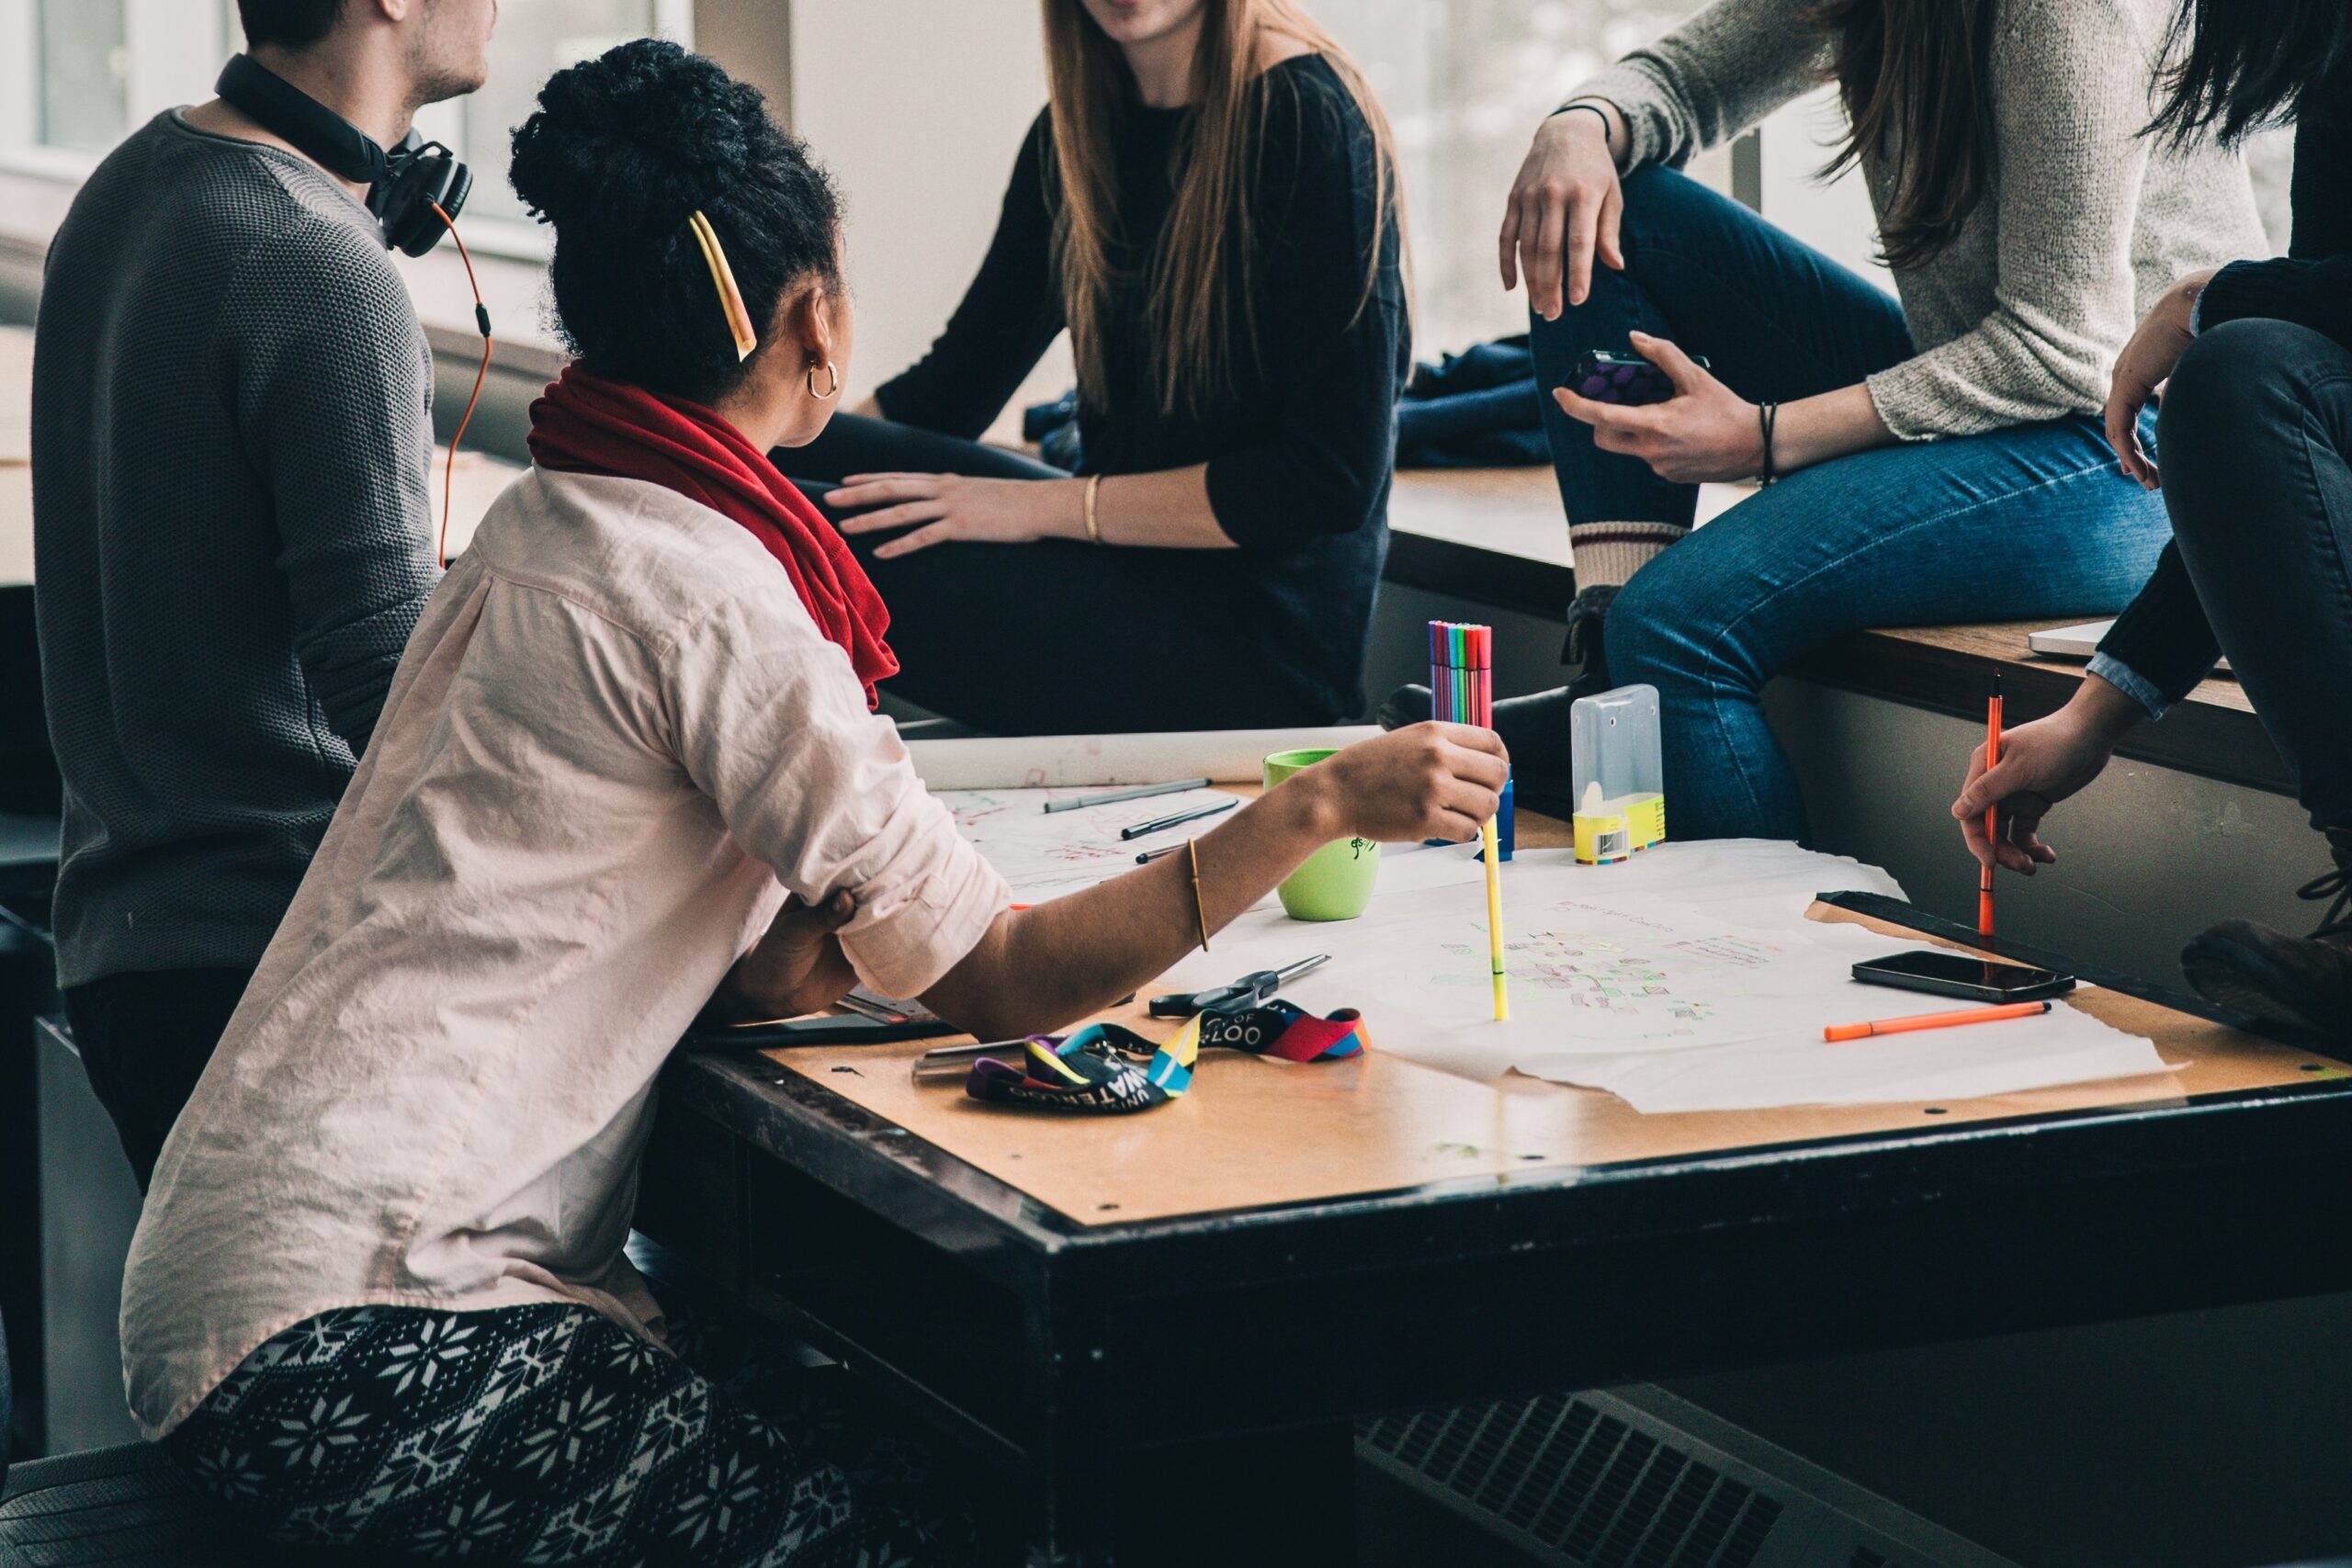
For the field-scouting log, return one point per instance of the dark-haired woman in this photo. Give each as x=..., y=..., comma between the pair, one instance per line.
x=1936, y=457
x=2255, y=365
x=628, y=768
x=1208, y=205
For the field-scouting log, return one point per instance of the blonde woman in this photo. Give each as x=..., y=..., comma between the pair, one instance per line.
x=1208, y=205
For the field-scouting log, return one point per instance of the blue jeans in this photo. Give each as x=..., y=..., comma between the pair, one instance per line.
x=2032, y=521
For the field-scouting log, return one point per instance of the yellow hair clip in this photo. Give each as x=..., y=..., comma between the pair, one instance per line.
x=731, y=298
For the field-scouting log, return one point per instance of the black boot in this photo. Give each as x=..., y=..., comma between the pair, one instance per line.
x=2304, y=982
x=1535, y=728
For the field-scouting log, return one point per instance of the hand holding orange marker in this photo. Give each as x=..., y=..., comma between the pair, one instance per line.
x=1991, y=813
x=1837, y=1032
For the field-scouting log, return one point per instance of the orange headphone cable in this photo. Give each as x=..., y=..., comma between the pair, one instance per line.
x=481, y=320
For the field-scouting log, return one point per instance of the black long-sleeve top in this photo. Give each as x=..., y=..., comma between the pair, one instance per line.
x=1300, y=448
x=2163, y=643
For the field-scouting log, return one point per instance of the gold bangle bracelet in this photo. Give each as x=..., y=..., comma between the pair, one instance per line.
x=1200, y=910
x=1093, y=529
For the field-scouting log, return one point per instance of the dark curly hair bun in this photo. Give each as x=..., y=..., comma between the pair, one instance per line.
x=622, y=149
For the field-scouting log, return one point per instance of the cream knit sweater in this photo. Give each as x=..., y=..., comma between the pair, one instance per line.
x=2084, y=224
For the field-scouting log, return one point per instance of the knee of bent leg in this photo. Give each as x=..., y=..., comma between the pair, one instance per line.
x=2238, y=403
x=1660, y=200
x=2235, y=381
x=1663, y=626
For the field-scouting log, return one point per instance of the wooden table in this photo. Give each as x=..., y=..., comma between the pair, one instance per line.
x=1159, y=1327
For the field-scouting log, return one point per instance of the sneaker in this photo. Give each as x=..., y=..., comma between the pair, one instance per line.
x=1407, y=706
x=2303, y=982
x=1535, y=728
x=1587, y=647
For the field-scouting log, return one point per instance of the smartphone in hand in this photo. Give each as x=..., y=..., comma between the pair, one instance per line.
x=1625, y=379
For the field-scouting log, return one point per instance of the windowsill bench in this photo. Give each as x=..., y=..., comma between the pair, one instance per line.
x=1493, y=537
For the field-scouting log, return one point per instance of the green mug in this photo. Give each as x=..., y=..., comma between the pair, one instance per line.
x=1335, y=882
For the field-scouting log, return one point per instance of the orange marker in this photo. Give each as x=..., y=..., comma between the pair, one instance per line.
x=1992, y=812
x=1836, y=1031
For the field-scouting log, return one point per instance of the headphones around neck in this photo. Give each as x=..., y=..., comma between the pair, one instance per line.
x=404, y=183
x=415, y=190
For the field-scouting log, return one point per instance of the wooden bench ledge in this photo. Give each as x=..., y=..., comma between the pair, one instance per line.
x=1493, y=537
x=2213, y=732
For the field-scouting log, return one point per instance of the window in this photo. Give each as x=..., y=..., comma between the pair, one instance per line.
x=537, y=39
x=83, y=71
x=78, y=75
x=1465, y=82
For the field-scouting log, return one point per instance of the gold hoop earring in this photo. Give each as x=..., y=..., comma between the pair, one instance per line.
x=833, y=380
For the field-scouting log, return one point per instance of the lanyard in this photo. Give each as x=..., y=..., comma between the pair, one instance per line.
x=1106, y=1068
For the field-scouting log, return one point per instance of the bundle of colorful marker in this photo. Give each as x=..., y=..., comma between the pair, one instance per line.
x=1462, y=672
x=1462, y=681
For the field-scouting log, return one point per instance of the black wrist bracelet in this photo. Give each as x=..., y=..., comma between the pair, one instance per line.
x=1767, y=415
x=1606, y=129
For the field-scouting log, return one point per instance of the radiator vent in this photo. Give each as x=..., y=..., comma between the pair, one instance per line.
x=1636, y=1477
x=1582, y=1482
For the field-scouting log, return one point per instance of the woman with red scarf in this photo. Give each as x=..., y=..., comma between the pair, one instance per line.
x=628, y=770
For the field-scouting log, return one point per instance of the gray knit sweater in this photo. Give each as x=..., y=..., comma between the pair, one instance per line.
x=2084, y=223
x=232, y=535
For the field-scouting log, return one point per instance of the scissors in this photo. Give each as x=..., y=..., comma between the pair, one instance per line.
x=1250, y=990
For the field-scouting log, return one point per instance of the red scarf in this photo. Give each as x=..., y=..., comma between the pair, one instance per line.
x=586, y=425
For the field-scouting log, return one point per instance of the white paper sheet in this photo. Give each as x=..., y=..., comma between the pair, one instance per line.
x=1044, y=855
x=1694, y=954
x=1685, y=979
x=1800, y=1069
x=1034, y=762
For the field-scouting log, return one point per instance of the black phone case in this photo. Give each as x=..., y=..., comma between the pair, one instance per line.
x=2057, y=987
x=1624, y=379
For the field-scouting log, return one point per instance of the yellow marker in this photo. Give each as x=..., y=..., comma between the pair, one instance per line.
x=1494, y=919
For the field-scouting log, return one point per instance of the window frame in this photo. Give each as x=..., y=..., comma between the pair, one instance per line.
x=508, y=238
x=160, y=36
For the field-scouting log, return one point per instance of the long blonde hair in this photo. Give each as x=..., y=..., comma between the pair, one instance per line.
x=1201, y=299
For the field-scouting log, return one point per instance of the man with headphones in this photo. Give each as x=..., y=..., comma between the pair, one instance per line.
x=231, y=521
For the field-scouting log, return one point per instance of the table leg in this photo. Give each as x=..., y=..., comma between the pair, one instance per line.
x=1279, y=1499
x=1273, y=1499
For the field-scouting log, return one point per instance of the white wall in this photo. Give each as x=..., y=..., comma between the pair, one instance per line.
x=918, y=107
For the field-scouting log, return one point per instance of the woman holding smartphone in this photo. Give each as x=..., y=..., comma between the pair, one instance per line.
x=377, y=1296
x=1208, y=205
x=1929, y=458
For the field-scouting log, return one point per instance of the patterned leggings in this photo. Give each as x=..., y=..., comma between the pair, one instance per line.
x=549, y=1435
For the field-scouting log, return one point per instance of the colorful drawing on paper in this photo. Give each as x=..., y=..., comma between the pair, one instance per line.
x=1635, y=978
x=1604, y=974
